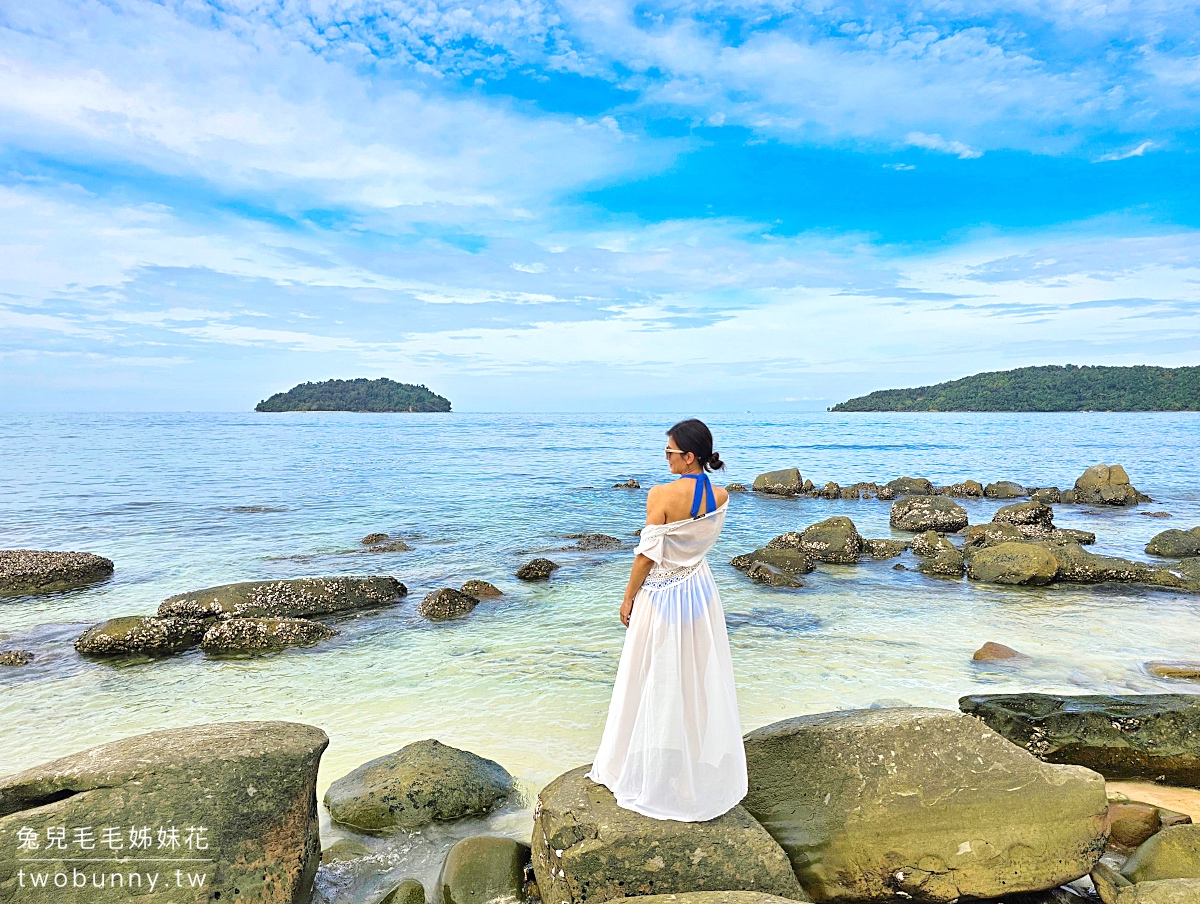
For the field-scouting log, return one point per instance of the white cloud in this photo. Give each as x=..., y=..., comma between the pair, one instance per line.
x=1138, y=151
x=938, y=143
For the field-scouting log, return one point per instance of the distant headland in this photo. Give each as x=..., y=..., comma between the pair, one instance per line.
x=355, y=395
x=1050, y=388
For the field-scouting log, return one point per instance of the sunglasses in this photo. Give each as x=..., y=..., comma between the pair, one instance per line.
x=669, y=452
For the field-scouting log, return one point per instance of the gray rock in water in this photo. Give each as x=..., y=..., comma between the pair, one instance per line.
x=885, y=549
x=1079, y=566
x=596, y=541
x=482, y=869
x=1149, y=737
x=298, y=598
x=713, y=897
x=922, y=513
x=16, y=657
x=150, y=634
x=1004, y=489
x=735, y=488
x=446, y=603
x=630, y=484
x=1185, y=575
x=263, y=635
x=28, y=571
x=991, y=533
x=785, y=482
x=1175, y=544
x=968, y=489
x=909, y=486
x=1107, y=485
x=391, y=546
x=789, y=560
x=947, y=563
x=1113, y=888
x=587, y=850
x=242, y=794
x=409, y=891
x=924, y=804
x=1173, y=853
x=1013, y=563
x=480, y=589
x=372, y=539
x=835, y=540
x=930, y=543
x=420, y=783
x=1046, y=495
x=1025, y=513
x=537, y=570
x=763, y=573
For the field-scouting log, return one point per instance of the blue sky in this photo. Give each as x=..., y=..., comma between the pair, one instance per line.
x=595, y=205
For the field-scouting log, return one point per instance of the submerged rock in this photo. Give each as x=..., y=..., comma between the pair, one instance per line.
x=587, y=850
x=480, y=589
x=409, y=891
x=595, y=541
x=930, y=543
x=763, y=573
x=630, y=484
x=994, y=652
x=1183, y=671
x=391, y=546
x=922, y=513
x=420, y=783
x=1032, y=513
x=789, y=560
x=1004, y=489
x=16, y=657
x=446, y=603
x=28, y=571
x=835, y=540
x=1079, y=566
x=1175, y=544
x=148, y=634
x=944, y=563
x=735, y=487
x=991, y=533
x=784, y=482
x=712, y=897
x=537, y=570
x=242, y=794
x=1013, y=563
x=885, y=549
x=482, y=869
x=263, y=635
x=927, y=804
x=372, y=539
x=1107, y=485
x=1046, y=495
x=1185, y=575
x=1150, y=737
x=345, y=849
x=297, y=598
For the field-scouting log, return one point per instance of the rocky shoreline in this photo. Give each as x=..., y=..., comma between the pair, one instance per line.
x=1004, y=801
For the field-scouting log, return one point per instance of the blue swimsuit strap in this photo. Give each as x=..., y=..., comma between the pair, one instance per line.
x=702, y=481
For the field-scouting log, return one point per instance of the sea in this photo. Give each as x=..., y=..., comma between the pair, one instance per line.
x=185, y=501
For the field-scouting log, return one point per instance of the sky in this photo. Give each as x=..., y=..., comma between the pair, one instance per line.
x=529, y=205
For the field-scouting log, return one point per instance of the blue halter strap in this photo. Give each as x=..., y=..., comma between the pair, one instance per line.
x=705, y=485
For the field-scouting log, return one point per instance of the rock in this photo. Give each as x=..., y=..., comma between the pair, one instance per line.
x=930, y=543
x=445, y=603
x=596, y=541
x=1175, y=544
x=785, y=482
x=480, y=589
x=16, y=657
x=372, y=539
x=1013, y=563
x=886, y=493
x=345, y=849
x=240, y=793
x=1113, y=888
x=944, y=563
x=298, y=598
x=409, y=891
x=1130, y=824
x=1032, y=513
x=26, y=571
x=980, y=535
x=807, y=486
x=1107, y=485
x=835, y=540
x=262, y=635
x=1173, y=853
x=148, y=634
x=849, y=493
x=735, y=487
x=423, y=782
x=713, y=897
x=537, y=570
x=483, y=868
x=1079, y=566
x=1185, y=575
x=1070, y=535
x=1150, y=737
x=1183, y=671
x=630, y=484
x=1004, y=489
x=910, y=486
x=763, y=573
x=1046, y=495
x=922, y=513
x=968, y=489
x=920, y=803
x=1155, y=514
x=992, y=652
x=831, y=491
x=587, y=849
x=391, y=546
x=884, y=549
x=789, y=561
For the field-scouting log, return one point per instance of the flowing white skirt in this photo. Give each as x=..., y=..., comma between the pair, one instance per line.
x=672, y=744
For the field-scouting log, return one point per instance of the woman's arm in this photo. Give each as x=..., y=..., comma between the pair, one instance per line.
x=656, y=513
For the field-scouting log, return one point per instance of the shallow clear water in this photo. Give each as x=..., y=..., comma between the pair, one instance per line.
x=183, y=501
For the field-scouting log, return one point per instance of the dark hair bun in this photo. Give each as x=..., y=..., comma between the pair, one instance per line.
x=715, y=463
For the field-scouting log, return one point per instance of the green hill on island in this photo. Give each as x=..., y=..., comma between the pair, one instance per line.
x=355, y=395
x=1050, y=388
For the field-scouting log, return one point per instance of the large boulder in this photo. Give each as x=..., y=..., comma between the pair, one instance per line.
x=238, y=798
x=924, y=804
x=147, y=634
x=480, y=589
x=1175, y=544
x=946, y=562
x=1032, y=513
x=834, y=540
x=968, y=489
x=1106, y=485
x=909, y=486
x=1173, y=853
x=1004, y=489
x=25, y=571
x=447, y=603
x=784, y=482
x=420, y=783
x=538, y=569
x=484, y=868
x=991, y=533
x=885, y=549
x=1046, y=495
x=1113, y=888
x=922, y=513
x=711, y=897
x=1013, y=563
x=263, y=635
x=588, y=849
x=1148, y=737
x=1079, y=566
x=790, y=561
x=1185, y=575
x=297, y=598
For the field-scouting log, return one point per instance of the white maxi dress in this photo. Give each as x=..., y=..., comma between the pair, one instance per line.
x=672, y=744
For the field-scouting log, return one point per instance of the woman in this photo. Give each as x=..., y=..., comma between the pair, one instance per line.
x=672, y=745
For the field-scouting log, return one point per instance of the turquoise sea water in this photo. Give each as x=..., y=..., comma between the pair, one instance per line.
x=184, y=501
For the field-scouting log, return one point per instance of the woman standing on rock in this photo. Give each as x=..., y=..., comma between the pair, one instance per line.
x=672, y=745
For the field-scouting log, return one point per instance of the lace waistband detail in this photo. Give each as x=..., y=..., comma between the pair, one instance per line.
x=658, y=578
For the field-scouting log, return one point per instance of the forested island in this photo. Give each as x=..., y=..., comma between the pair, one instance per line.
x=1050, y=388
x=355, y=395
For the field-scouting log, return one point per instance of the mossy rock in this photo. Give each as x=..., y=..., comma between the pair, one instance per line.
x=1004, y=489
x=1013, y=563
x=922, y=513
x=483, y=868
x=481, y=589
x=791, y=562
x=1173, y=853
x=909, y=486
x=538, y=569
x=263, y=635
x=148, y=634
x=30, y=571
x=784, y=482
x=447, y=603
x=298, y=598
x=1175, y=544
x=885, y=549
x=409, y=891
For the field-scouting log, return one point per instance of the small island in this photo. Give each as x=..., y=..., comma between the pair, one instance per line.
x=356, y=395
x=1050, y=388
